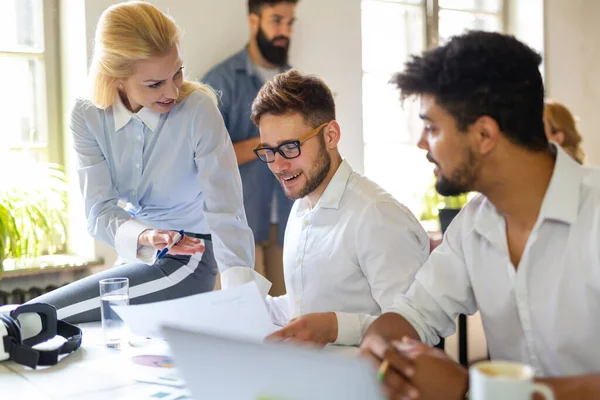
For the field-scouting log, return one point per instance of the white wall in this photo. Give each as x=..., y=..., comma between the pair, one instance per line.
x=526, y=22
x=327, y=42
x=572, y=60
x=324, y=43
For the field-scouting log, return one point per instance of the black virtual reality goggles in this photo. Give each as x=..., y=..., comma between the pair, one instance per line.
x=22, y=327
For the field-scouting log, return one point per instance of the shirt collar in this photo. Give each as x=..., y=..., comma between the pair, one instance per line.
x=122, y=116
x=333, y=193
x=244, y=63
x=561, y=201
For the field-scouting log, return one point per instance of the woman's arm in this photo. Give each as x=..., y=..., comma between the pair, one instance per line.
x=223, y=208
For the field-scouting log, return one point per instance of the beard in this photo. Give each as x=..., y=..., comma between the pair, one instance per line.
x=462, y=179
x=315, y=176
x=276, y=55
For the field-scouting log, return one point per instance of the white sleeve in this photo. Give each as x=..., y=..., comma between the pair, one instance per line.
x=223, y=208
x=106, y=221
x=441, y=290
x=391, y=247
x=279, y=309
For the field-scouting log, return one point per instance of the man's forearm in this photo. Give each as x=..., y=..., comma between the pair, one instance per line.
x=574, y=387
x=392, y=326
x=244, y=150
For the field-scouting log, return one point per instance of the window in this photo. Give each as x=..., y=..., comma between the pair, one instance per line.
x=29, y=101
x=33, y=192
x=392, y=30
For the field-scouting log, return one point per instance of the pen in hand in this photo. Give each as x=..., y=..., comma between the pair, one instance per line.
x=382, y=370
x=176, y=239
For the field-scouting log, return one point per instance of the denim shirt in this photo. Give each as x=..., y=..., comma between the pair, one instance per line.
x=238, y=82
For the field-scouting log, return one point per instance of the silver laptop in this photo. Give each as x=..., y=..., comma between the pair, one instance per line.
x=221, y=368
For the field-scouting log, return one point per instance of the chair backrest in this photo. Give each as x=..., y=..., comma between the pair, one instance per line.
x=446, y=215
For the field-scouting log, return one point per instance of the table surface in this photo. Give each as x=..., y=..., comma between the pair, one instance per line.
x=92, y=372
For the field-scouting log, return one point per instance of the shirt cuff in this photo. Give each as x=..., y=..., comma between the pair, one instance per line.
x=126, y=243
x=349, y=330
x=236, y=276
x=426, y=335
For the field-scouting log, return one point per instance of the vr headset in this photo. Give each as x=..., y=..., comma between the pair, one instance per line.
x=22, y=327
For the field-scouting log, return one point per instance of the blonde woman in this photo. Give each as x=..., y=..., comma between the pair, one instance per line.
x=156, y=143
x=561, y=128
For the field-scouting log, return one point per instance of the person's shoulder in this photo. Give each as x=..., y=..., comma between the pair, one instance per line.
x=590, y=185
x=82, y=105
x=225, y=69
x=84, y=109
x=200, y=98
x=363, y=192
x=591, y=177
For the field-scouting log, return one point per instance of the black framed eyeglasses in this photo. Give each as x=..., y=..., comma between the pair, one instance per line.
x=287, y=150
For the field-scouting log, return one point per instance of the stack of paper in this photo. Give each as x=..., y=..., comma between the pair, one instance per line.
x=238, y=312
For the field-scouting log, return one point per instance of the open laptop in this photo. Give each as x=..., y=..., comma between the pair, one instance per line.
x=221, y=368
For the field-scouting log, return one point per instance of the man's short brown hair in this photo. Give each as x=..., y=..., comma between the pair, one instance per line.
x=290, y=93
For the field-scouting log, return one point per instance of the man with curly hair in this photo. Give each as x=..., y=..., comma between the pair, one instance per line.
x=524, y=253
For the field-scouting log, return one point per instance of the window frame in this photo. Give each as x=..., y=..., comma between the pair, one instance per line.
x=430, y=18
x=49, y=87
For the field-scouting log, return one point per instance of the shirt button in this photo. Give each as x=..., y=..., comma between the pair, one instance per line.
x=298, y=302
x=139, y=137
x=306, y=222
x=133, y=192
x=137, y=165
x=299, y=261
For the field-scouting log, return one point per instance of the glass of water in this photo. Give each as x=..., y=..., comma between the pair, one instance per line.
x=113, y=292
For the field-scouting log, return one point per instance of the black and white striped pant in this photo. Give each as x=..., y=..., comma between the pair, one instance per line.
x=171, y=277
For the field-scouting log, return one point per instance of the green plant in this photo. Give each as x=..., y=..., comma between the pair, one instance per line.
x=433, y=202
x=33, y=207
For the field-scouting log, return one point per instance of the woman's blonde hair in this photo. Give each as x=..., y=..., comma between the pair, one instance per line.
x=560, y=119
x=126, y=33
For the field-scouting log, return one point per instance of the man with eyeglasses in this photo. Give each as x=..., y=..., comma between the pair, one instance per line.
x=349, y=246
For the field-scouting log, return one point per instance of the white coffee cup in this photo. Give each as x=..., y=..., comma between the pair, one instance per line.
x=501, y=380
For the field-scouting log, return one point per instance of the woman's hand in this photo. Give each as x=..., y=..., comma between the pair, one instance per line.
x=160, y=238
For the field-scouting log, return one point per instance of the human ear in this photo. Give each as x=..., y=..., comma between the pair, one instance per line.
x=487, y=133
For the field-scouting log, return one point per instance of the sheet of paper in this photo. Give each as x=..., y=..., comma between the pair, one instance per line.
x=237, y=312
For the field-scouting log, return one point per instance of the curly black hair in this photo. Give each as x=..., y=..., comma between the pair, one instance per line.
x=483, y=73
x=255, y=6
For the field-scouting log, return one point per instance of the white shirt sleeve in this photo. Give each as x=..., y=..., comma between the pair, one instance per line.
x=106, y=221
x=391, y=247
x=223, y=208
x=279, y=309
x=441, y=290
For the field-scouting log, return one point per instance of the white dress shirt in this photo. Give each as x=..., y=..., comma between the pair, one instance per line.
x=172, y=171
x=352, y=253
x=545, y=313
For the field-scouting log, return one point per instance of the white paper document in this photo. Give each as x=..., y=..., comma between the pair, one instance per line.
x=238, y=312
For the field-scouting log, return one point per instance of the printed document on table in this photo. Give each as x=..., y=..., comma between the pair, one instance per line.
x=237, y=312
